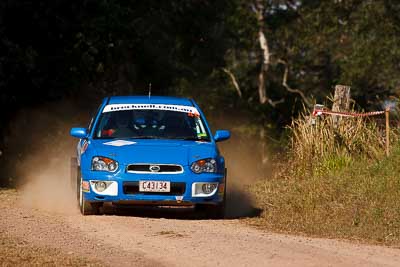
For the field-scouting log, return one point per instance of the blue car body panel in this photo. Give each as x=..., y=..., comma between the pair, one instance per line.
x=150, y=151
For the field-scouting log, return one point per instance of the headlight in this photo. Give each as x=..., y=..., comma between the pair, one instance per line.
x=204, y=165
x=104, y=164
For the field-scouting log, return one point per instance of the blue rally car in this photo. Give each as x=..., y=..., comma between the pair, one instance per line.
x=141, y=150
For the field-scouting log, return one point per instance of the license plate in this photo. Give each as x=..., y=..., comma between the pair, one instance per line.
x=154, y=186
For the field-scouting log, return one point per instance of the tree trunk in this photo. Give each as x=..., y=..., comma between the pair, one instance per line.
x=262, y=93
x=260, y=9
x=234, y=81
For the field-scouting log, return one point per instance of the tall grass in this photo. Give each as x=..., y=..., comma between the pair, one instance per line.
x=316, y=139
x=338, y=182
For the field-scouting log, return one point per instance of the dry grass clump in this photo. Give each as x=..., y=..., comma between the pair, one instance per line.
x=358, y=201
x=338, y=183
x=315, y=139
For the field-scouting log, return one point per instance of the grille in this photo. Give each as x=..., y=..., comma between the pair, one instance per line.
x=162, y=168
x=131, y=188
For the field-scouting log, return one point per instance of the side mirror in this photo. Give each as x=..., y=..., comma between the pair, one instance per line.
x=78, y=132
x=221, y=135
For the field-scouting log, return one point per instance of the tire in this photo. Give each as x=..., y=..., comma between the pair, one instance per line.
x=78, y=184
x=219, y=211
x=73, y=172
x=214, y=211
x=86, y=207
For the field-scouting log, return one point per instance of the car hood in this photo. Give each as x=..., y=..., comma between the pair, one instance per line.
x=153, y=151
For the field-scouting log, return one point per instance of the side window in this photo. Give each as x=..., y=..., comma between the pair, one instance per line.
x=103, y=123
x=92, y=120
x=90, y=124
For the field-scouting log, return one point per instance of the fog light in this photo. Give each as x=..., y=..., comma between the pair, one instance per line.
x=104, y=188
x=204, y=189
x=100, y=186
x=208, y=188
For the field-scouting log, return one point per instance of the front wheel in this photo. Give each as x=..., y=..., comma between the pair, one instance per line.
x=73, y=173
x=219, y=211
x=214, y=211
x=86, y=207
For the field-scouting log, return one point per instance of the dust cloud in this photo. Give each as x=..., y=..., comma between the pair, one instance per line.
x=243, y=154
x=40, y=149
x=244, y=169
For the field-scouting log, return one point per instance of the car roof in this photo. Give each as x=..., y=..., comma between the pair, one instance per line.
x=150, y=100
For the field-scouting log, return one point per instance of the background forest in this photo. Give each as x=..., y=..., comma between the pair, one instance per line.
x=261, y=60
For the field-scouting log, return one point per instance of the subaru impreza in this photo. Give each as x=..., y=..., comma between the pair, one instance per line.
x=141, y=150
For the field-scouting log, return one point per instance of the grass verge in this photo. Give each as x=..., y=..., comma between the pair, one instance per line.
x=358, y=201
x=342, y=194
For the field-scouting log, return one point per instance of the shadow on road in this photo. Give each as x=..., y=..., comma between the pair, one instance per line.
x=239, y=205
x=178, y=213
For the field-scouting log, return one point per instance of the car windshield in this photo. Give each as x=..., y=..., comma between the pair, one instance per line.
x=151, y=124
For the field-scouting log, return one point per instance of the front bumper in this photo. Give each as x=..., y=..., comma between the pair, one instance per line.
x=174, y=198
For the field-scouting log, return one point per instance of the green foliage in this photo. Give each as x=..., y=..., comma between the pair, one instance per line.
x=58, y=48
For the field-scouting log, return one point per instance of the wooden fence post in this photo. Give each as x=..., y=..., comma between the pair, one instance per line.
x=341, y=100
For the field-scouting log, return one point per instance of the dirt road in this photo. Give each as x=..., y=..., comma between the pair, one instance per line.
x=34, y=236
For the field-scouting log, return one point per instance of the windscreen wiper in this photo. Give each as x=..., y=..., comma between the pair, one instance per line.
x=146, y=137
x=149, y=137
x=191, y=138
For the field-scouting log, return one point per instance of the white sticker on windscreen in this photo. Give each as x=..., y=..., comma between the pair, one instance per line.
x=178, y=108
x=119, y=143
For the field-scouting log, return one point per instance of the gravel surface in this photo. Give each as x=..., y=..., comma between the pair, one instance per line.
x=32, y=235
